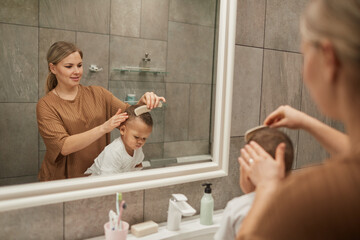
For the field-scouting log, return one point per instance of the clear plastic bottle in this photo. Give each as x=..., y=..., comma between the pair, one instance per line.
x=207, y=206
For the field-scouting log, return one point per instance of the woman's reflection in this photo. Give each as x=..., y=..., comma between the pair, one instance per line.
x=125, y=153
x=75, y=121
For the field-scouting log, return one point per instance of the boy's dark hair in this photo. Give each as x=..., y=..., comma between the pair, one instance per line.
x=270, y=138
x=145, y=117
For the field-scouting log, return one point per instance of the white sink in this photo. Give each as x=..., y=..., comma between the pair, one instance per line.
x=190, y=228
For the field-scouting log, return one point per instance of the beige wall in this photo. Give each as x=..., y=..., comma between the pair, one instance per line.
x=267, y=74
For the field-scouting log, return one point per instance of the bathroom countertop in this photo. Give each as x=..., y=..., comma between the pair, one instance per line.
x=188, y=225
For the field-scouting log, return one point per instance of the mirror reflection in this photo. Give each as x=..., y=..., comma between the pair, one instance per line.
x=127, y=51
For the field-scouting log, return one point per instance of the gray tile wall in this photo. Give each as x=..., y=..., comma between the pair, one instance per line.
x=250, y=22
x=19, y=52
x=267, y=73
x=282, y=24
x=9, y=12
x=281, y=84
x=82, y=15
x=125, y=18
x=154, y=19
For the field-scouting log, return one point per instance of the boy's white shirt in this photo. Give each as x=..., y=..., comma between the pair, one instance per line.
x=114, y=159
x=233, y=216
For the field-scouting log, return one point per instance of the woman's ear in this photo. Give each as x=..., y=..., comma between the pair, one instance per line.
x=331, y=61
x=52, y=68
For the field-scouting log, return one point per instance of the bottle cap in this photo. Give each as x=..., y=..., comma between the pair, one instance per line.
x=208, y=188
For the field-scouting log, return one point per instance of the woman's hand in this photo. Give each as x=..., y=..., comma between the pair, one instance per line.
x=151, y=100
x=114, y=121
x=260, y=166
x=286, y=116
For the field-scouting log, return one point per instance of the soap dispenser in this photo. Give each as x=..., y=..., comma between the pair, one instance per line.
x=207, y=206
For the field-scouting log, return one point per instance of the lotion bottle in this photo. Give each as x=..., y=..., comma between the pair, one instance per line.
x=207, y=206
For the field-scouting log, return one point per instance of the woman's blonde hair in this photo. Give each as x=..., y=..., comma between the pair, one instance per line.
x=57, y=52
x=339, y=22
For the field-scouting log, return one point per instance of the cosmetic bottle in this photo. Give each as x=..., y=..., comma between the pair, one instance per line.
x=207, y=206
x=131, y=98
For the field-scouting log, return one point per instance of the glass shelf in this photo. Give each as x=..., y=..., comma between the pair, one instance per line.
x=131, y=102
x=141, y=70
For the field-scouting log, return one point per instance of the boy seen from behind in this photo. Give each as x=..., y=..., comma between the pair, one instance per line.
x=237, y=209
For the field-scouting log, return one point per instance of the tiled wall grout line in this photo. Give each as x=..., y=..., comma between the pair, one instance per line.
x=19, y=24
x=144, y=206
x=38, y=80
x=271, y=49
x=213, y=83
x=63, y=220
x=262, y=65
x=109, y=70
x=141, y=18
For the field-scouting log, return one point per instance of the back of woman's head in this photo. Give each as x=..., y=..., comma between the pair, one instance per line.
x=56, y=53
x=339, y=22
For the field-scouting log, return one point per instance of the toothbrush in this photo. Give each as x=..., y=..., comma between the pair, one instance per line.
x=122, y=207
x=118, y=199
x=112, y=220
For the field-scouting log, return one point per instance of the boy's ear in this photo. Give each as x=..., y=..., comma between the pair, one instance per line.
x=122, y=129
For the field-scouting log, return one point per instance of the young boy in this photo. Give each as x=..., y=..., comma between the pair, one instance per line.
x=125, y=153
x=237, y=209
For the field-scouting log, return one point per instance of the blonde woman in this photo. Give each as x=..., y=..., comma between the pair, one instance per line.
x=321, y=202
x=75, y=121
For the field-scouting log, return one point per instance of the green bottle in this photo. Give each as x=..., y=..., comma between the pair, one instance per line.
x=207, y=206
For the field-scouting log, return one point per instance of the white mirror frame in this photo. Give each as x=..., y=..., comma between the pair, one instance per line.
x=37, y=194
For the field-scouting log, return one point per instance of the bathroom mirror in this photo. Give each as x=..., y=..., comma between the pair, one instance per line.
x=35, y=194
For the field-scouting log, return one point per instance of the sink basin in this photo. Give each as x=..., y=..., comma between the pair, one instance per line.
x=196, y=235
x=190, y=228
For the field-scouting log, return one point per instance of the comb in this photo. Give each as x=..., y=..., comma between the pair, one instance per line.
x=143, y=109
x=249, y=133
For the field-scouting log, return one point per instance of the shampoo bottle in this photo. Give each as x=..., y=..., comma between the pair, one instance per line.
x=207, y=206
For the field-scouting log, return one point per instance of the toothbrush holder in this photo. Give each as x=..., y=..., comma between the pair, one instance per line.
x=116, y=234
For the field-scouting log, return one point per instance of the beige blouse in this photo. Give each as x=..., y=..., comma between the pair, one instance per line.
x=58, y=119
x=319, y=202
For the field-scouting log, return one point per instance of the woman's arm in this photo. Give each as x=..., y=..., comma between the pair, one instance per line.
x=80, y=141
x=265, y=172
x=334, y=141
x=261, y=201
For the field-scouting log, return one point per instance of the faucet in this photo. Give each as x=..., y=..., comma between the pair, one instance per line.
x=178, y=207
x=146, y=58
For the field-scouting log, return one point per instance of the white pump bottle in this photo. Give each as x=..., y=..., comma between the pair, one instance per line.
x=207, y=206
